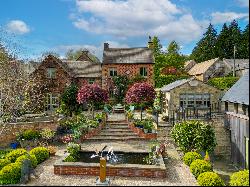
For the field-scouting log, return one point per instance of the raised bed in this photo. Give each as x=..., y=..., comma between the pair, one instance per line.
x=141, y=133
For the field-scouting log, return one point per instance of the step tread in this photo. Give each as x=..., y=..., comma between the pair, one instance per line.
x=116, y=138
x=116, y=134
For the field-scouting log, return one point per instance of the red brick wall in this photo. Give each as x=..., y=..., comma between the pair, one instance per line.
x=141, y=133
x=111, y=171
x=81, y=81
x=134, y=69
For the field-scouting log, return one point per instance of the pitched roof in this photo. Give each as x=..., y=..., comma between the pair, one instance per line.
x=175, y=84
x=239, y=92
x=84, y=68
x=139, y=55
x=239, y=63
x=202, y=67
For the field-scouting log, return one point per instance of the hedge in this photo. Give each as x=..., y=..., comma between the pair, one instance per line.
x=223, y=83
x=210, y=179
x=198, y=167
x=240, y=178
x=189, y=157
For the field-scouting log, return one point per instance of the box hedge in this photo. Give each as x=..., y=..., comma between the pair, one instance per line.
x=41, y=153
x=210, y=179
x=189, y=157
x=10, y=174
x=200, y=166
x=240, y=178
x=30, y=157
x=13, y=155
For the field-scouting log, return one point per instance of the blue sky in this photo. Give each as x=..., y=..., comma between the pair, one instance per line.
x=32, y=27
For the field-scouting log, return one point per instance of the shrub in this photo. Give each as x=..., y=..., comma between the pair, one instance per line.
x=189, y=157
x=47, y=134
x=13, y=155
x=223, y=83
x=200, y=166
x=167, y=79
x=210, y=179
x=41, y=154
x=10, y=174
x=194, y=135
x=240, y=178
x=28, y=135
x=70, y=159
x=73, y=149
x=4, y=162
x=30, y=157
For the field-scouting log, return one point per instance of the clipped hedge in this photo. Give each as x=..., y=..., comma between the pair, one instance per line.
x=223, y=83
x=41, y=153
x=4, y=162
x=240, y=178
x=163, y=80
x=189, y=157
x=200, y=166
x=210, y=179
x=13, y=155
x=10, y=174
x=31, y=157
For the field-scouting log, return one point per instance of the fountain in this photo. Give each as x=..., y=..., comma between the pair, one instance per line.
x=102, y=180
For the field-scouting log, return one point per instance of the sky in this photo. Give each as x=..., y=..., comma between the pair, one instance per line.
x=32, y=27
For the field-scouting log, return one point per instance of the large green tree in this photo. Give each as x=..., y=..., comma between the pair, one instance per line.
x=244, y=50
x=205, y=49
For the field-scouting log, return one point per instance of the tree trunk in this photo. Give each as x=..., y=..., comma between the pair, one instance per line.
x=141, y=112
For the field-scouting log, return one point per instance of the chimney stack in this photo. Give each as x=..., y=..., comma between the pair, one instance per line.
x=106, y=46
x=150, y=43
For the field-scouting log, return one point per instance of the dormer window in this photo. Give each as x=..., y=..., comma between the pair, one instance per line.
x=51, y=73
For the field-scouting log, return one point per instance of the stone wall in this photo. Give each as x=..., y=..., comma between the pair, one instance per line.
x=140, y=132
x=8, y=131
x=222, y=136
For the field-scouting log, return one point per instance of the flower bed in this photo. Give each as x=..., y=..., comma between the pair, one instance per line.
x=93, y=132
x=141, y=133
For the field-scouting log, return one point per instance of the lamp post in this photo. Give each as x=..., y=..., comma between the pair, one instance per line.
x=234, y=61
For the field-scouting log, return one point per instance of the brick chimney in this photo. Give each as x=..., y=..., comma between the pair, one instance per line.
x=106, y=46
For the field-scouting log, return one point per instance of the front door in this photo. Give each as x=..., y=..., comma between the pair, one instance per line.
x=52, y=102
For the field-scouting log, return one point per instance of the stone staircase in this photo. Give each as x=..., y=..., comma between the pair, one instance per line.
x=115, y=131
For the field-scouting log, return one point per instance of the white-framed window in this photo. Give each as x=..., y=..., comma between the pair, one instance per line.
x=52, y=101
x=91, y=80
x=191, y=100
x=51, y=73
x=143, y=71
x=112, y=72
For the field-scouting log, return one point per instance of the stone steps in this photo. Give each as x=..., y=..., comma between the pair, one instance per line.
x=98, y=138
x=118, y=130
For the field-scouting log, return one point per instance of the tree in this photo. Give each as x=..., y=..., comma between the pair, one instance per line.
x=140, y=93
x=75, y=54
x=120, y=87
x=245, y=43
x=69, y=101
x=173, y=48
x=205, y=49
x=221, y=44
x=92, y=94
x=157, y=47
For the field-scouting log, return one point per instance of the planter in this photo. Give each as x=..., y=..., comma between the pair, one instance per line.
x=153, y=131
x=145, y=130
x=14, y=145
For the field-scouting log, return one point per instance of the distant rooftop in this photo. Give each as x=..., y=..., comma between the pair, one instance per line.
x=202, y=67
x=239, y=63
x=175, y=84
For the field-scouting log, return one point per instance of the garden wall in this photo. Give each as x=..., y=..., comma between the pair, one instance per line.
x=8, y=131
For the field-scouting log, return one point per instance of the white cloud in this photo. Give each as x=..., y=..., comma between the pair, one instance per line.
x=137, y=18
x=17, y=27
x=243, y=3
x=97, y=50
x=222, y=17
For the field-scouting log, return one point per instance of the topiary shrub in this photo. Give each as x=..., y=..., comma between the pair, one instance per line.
x=200, y=166
x=29, y=134
x=13, y=155
x=4, y=162
x=240, y=178
x=41, y=153
x=210, y=179
x=10, y=174
x=31, y=157
x=189, y=157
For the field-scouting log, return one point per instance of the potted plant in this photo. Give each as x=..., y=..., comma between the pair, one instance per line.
x=52, y=150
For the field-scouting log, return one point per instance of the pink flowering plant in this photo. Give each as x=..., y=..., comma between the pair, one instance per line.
x=92, y=94
x=140, y=93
